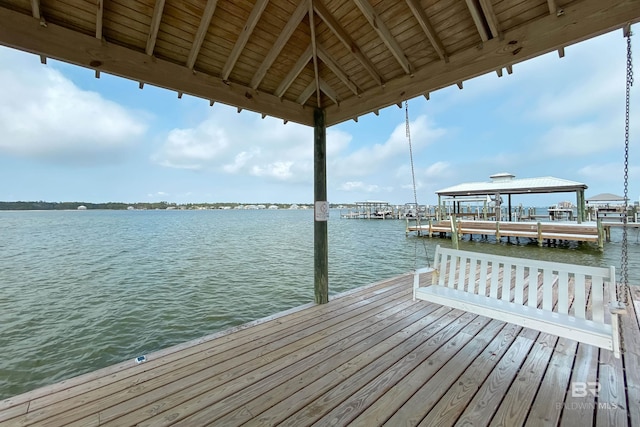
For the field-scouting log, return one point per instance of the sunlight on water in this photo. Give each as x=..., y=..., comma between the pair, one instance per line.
x=83, y=290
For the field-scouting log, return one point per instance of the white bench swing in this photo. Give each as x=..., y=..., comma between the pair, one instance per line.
x=568, y=300
x=577, y=302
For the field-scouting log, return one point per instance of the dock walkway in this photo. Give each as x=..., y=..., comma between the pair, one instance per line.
x=369, y=357
x=540, y=231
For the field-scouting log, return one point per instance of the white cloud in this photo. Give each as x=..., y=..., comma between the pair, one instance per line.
x=44, y=115
x=193, y=148
x=359, y=186
x=372, y=158
x=244, y=144
x=437, y=169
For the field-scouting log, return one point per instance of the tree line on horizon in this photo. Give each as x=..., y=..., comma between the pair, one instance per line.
x=48, y=206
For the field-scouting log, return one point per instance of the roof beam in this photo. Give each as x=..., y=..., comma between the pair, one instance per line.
x=553, y=7
x=478, y=18
x=383, y=32
x=491, y=18
x=22, y=32
x=295, y=72
x=337, y=70
x=249, y=26
x=209, y=10
x=428, y=29
x=280, y=42
x=35, y=9
x=306, y=94
x=346, y=40
x=155, y=26
x=99, y=15
x=314, y=54
x=328, y=90
x=519, y=44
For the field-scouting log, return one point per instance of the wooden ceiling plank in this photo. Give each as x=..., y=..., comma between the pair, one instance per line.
x=155, y=26
x=430, y=32
x=478, y=19
x=383, y=32
x=278, y=45
x=205, y=21
x=328, y=90
x=295, y=72
x=35, y=9
x=518, y=44
x=337, y=70
x=251, y=23
x=314, y=54
x=306, y=94
x=22, y=32
x=346, y=40
x=490, y=16
x=99, y=18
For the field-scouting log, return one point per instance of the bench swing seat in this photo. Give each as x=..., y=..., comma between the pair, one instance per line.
x=567, y=300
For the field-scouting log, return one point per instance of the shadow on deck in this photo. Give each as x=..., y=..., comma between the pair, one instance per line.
x=371, y=356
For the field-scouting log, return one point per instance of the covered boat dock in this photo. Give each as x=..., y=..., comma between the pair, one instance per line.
x=507, y=184
x=374, y=355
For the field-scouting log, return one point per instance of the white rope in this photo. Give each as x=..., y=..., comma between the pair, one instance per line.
x=415, y=192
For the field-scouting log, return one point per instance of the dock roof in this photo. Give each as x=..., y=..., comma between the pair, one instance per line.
x=507, y=184
x=605, y=197
x=287, y=58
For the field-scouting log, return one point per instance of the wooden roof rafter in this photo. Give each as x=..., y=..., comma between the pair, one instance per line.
x=205, y=21
x=478, y=19
x=337, y=70
x=346, y=40
x=99, y=18
x=35, y=9
x=155, y=26
x=490, y=17
x=314, y=53
x=302, y=62
x=383, y=32
x=249, y=26
x=430, y=32
x=286, y=32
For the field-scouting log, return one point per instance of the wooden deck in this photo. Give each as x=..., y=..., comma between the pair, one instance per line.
x=371, y=356
x=540, y=231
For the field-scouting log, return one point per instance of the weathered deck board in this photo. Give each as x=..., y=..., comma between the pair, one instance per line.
x=371, y=356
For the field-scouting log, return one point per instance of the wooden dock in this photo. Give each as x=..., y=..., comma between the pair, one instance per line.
x=540, y=231
x=369, y=357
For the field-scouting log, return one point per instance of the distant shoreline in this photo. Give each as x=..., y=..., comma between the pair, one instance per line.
x=72, y=206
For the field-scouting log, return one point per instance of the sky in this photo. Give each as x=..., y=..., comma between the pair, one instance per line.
x=67, y=136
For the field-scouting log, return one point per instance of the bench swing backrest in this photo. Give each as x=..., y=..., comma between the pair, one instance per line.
x=568, y=300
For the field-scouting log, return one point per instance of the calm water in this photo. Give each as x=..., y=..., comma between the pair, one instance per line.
x=80, y=290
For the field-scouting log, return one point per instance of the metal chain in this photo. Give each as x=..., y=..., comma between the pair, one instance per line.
x=624, y=267
x=413, y=177
x=625, y=253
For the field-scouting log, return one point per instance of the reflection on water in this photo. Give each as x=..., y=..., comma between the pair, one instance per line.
x=83, y=290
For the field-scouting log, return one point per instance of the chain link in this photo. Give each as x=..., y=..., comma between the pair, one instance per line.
x=625, y=253
x=624, y=267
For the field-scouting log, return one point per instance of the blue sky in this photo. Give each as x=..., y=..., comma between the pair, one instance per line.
x=67, y=136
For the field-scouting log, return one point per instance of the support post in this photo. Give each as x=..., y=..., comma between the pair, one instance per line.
x=321, y=240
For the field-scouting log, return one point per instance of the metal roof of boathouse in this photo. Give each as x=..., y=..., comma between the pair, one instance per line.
x=505, y=183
